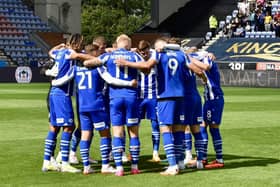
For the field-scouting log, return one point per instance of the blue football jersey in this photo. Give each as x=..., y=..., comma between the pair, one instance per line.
x=213, y=86
x=90, y=89
x=148, y=82
x=62, y=59
x=171, y=68
x=123, y=73
x=190, y=81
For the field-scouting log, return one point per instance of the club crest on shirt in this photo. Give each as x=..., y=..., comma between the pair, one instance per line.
x=23, y=74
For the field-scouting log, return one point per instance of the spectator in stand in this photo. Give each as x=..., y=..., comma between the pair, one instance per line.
x=276, y=26
x=252, y=20
x=268, y=7
x=248, y=27
x=267, y=22
x=234, y=24
x=213, y=24
x=261, y=2
x=240, y=32
x=243, y=8
x=276, y=15
x=259, y=21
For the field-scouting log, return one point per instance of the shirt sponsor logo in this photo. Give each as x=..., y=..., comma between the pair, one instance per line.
x=59, y=120
x=132, y=120
x=99, y=125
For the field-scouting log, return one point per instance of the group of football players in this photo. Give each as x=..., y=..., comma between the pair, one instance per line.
x=116, y=88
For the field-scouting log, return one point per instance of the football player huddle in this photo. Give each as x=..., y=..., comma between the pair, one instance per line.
x=116, y=88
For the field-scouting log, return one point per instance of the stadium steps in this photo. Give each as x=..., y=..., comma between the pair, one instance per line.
x=192, y=19
x=5, y=60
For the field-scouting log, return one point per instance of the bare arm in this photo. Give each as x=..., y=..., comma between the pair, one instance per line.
x=94, y=62
x=114, y=81
x=199, y=64
x=139, y=65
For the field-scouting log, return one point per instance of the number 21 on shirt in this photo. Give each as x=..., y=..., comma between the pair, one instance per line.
x=85, y=80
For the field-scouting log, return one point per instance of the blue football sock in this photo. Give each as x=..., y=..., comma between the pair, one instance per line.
x=204, y=134
x=217, y=142
x=105, y=148
x=84, y=150
x=134, y=149
x=118, y=149
x=64, y=146
x=179, y=145
x=168, y=144
x=49, y=145
x=188, y=141
x=155, y=135
x=76, y=137
x=198, y=145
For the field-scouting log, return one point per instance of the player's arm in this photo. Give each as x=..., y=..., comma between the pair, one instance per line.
x=202, y=65
x=144, y=65
x=57, y=47
x=203, y=78
x=53, y=72
x=65, y=79
x=106, y=76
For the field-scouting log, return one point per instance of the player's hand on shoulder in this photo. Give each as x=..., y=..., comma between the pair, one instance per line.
x=120, y=62
x=134, y=83
x=211, y=56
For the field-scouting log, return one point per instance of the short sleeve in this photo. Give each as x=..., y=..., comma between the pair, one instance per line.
x=104, y=58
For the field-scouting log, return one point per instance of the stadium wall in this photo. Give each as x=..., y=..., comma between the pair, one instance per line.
x=65, y=13
x=21, y=75
x=161, y=9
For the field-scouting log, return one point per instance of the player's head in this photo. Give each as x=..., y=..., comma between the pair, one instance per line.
x=159, y=44
x=144, y=49
x=75, y=42
x=174, y=40
x=123, y=41
x=101, y=41
x=192, y=49
x=92, y=49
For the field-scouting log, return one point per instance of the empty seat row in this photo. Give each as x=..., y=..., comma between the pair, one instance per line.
x=264, y=34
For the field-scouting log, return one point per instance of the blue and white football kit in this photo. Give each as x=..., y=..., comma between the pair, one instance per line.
x=61, y=111
x=148, y=100
x=213, y=106
x=171, y=67
x=124, y=104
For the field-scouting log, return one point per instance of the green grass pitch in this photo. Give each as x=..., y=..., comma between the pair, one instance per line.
x=250, y=131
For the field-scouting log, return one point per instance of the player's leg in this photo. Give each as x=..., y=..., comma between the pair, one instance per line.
x=188, y=144
x=151, y=114
x=86, y=136
x=216, y=111
x=132, y=121
x=195, y=129
x=101, y=124
x=196, y=120
x=178, y=134
x=118, y=120
x=165, y=118
x=178, y=130
x=76, y=138
x=50, y=140
x=65, y=119
x=204, y=133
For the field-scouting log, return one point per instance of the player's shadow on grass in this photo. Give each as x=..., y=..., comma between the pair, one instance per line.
x=231, y=162
x=236, y=161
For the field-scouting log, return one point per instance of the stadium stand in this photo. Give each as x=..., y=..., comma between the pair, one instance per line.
x=248, y=21
x=16, y=23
